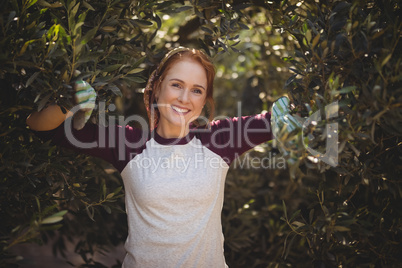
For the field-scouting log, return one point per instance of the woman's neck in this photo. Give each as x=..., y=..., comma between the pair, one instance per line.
x=169, y=133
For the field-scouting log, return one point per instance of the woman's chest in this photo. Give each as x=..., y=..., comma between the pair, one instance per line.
x=174, y=174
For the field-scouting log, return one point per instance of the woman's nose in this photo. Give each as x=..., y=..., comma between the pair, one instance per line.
x=183, y=97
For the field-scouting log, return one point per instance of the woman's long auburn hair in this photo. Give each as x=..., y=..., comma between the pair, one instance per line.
x=172, y=58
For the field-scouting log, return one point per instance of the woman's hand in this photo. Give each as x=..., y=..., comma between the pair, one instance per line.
x=283, y=118
x=52, y=116
x=85, y=98
x=287, y=130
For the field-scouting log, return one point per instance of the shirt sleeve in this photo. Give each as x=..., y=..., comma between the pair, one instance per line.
x=231, y=137
x=112, y=143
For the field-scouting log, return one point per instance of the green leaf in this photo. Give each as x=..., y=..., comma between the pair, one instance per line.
x=138, y=62
x=71, y=15
x=74, y=10
x=117, y=190
x=243, y=26
x=71, y=5
x=111, y=68
x=158, y=21
x=385, y=61
x=288, y=246
x=341, y=228
x=343, y=90
x=311, y=216
x=315, y=41
x=107, y=209
x=135, y=70
x=325, y=210
x=108, y=29
x=308, y=36
x=234, y=49
x=207, y=30
x=44, y=101
x=295, y=214
x=51, y=220
x=115, y=90
x=30, y=3
x=90, y=212
x=135, y=79
x=143, y=23
x=88, y=57
x=88, y=36
x=284, y=209
x=61, y=213
x=31, y=79
x=16, y=229
x=298, y=224
x=87, y=5
x=104, y=188
x=77, y=26
x=347, y=89
x=181, y=9
x=44, y=3
x=164, y=4
x=47, y=4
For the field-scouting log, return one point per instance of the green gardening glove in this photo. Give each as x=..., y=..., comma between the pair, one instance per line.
x=287, y=130
x=85, y=97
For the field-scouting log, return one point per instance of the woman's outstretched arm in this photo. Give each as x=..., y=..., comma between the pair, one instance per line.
x=49, y=118
x=52, y=116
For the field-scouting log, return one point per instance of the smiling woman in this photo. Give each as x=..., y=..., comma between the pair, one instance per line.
x=173, y=175
x=180, y=98
x=187, y=71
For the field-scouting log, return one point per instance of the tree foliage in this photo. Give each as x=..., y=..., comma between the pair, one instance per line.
x=317, y=52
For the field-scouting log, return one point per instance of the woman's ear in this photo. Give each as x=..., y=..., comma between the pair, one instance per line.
x=157, y=89
x=156, y=95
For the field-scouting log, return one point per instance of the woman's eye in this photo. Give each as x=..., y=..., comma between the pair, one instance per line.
x=197, y=91
x=176, y=85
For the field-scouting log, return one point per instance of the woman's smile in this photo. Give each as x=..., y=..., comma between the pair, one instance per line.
x=179, y=110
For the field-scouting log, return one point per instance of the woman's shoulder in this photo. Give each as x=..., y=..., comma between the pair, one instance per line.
x=227, y=121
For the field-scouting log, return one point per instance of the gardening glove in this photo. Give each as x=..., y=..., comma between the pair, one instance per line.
x=287, y=130
x=85, y=97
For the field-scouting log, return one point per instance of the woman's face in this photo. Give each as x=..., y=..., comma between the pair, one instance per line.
x=181, y=97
